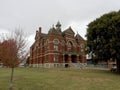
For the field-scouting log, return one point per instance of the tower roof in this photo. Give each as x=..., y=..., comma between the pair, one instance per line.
x=53, y=31
x=58, y=27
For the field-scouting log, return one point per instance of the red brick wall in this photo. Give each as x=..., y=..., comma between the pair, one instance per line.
x=43, y=54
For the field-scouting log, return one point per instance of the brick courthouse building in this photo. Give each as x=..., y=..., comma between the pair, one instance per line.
x=57, y=48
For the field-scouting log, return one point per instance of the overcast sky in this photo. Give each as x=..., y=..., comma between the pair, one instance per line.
x=32, y=14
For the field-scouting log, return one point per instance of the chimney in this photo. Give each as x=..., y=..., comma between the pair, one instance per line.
x=39, y=30
x=36, y=32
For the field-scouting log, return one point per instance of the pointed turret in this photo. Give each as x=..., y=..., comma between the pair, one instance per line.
x=53, y=30
x=58, y=26
x=56, y=30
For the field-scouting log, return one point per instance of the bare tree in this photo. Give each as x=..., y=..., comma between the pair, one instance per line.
x=13, y=51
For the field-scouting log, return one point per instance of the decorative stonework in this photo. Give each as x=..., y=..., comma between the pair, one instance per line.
x=56, y=48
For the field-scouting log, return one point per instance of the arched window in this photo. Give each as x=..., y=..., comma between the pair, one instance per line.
x=69, y=46
x=55, y=44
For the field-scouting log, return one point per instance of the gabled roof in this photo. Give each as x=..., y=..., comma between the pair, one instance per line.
x=54, y=31
x=42, y=34
x=78, y=37
x=69, y=30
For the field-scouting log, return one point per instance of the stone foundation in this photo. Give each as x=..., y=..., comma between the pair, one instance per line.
x=56, y=65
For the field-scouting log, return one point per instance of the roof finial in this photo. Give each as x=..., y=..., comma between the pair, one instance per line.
x=58, y=25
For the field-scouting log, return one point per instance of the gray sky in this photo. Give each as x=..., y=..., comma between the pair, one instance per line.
x=32, y=14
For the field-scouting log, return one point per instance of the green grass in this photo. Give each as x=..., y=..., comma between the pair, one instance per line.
x=59, y=79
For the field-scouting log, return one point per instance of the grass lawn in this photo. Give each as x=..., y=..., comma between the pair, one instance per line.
x=59, y=79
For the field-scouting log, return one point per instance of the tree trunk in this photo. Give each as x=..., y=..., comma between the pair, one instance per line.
x=11, y=80
x=118, y=65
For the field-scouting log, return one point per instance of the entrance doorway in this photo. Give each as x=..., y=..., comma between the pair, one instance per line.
x=73, y=58
x=66, y=58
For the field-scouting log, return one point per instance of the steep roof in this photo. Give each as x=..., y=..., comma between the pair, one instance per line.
x=54, y=31
x=39, y=35
x=43, y=35
x=78, y=37
x=69, y=30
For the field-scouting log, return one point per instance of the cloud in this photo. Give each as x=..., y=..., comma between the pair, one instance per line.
x=3, y=32
x=31, y=39
x=32, y=14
